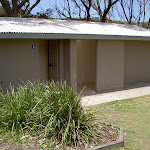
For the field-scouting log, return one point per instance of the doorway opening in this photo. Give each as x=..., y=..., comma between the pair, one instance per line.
x=53, y=60
x=86, y=61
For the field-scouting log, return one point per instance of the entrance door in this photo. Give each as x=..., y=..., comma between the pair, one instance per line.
x=53, y=60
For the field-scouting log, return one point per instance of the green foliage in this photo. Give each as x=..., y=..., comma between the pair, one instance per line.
x=145, y=25
x=45, y=14
x=52, y=109
x=2, y=12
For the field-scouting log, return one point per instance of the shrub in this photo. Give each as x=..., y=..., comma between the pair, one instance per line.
x=52, y=108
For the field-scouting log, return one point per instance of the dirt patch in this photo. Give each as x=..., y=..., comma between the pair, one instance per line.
x=108, y=134
x=30, y=146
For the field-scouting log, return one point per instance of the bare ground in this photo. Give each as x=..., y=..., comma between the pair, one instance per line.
x=108, y=134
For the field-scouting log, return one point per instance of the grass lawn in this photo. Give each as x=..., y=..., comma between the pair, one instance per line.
x=133, y=115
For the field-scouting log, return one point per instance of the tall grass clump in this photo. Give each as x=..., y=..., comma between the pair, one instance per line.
x=52, y=109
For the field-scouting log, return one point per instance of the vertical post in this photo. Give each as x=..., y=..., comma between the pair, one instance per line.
x=73, y=63
x=48, y=61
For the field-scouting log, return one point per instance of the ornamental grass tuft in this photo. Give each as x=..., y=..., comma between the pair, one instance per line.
x=51, y=109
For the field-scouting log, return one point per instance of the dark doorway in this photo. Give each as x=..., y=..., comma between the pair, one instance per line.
x=53, y=60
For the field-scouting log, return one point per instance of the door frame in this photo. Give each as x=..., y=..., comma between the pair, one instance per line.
x=57, y=57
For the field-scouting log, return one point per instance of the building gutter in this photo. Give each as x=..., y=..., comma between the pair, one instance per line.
x=70, y=36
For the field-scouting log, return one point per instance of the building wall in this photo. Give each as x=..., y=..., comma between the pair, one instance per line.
x=66, y=58
x=85, y=61
x=117, y=62
x=60, y=60
x=137, y=62
x=18, y=61
x=73, y=63
x=109, y=65
x=67, y=61
x=43, y=54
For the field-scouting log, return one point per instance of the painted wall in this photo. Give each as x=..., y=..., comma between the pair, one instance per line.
x=73, y=62
x=67, y=61
x=137, y=62
x=60, y=60
x=117, y=62
x=18, y=61
x=66, y=58
x=85, y=61
x=43, y=54
x=109, y=65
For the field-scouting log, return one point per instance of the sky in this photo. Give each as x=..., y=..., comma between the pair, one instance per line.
x=45, y=4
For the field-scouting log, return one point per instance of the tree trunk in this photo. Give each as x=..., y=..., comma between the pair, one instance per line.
x=6, y=7
x=14, y=8
x=103, y=19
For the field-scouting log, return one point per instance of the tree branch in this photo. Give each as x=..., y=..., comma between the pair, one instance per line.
x=87, y=8
x=124, y=11
x=107, y=9
x=22, y=3
x=99, y=8
x=36, y=3
x=69, y=11
x=14, y=8
x=131, y=13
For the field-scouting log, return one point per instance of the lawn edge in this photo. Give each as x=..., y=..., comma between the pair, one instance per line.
x=116, y=144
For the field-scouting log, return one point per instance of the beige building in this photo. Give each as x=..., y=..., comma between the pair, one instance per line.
x=101, y=56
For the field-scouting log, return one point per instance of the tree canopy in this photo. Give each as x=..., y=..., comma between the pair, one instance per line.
x=15, y=8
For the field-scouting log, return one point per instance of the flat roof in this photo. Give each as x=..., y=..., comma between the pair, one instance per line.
x=35, y=28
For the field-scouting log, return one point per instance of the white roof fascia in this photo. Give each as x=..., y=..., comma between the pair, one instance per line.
x=69, y=36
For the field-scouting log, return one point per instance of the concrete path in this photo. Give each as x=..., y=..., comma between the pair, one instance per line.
x=113, y=96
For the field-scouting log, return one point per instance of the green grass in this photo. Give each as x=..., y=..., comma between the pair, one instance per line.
x=50, y=110
x=133, y=115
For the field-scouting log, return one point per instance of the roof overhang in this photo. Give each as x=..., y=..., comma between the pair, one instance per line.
x=69, y=36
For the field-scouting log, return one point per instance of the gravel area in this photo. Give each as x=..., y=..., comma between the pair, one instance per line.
x=128, y=92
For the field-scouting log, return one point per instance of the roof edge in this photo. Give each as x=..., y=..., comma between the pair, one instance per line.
x=69, y=36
